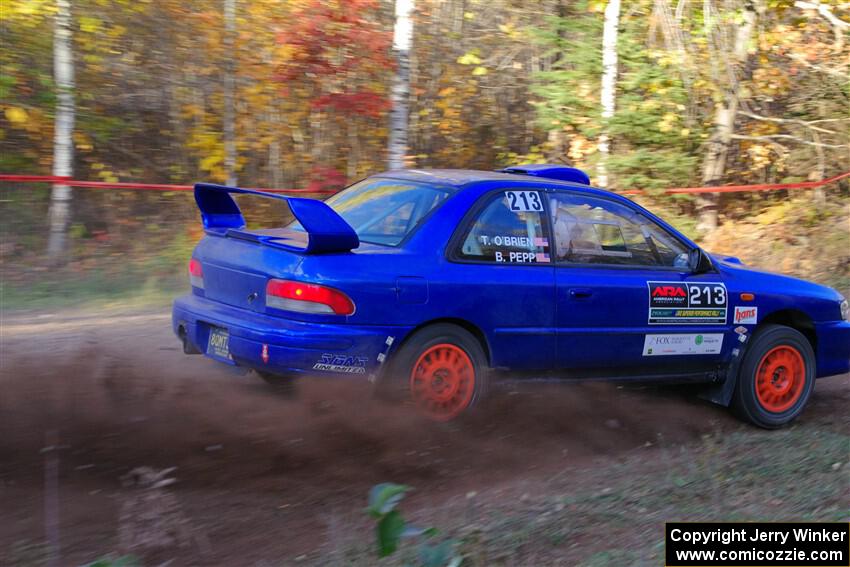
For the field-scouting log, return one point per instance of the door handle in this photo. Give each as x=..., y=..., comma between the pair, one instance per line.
x=580, y=293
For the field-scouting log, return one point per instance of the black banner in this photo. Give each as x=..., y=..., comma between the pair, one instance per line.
x=758, y=544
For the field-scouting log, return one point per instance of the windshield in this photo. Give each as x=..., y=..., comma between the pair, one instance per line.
x=384, y=211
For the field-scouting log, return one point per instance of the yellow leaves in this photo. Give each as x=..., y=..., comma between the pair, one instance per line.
x=29, y=13
x=759, y=155
x=775, y=214
x=103, y=172
x=580, y=147
x=17, y=116
x=211, y=162
x=446, y=92
x=469, y=58
x=89, y=24
x=472, y=58
x=192, y=111
x=667, y=122
x=511, y=31
x=108, y=176
x=82, y=142
x=597, y=6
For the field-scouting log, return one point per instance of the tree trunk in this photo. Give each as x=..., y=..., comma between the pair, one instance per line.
x=714, y=165
x=229, y=88
x=275, y=165
x=63, y=139
x=402, y=40
x=609, y=85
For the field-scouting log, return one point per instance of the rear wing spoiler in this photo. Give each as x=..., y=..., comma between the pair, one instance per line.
x=326, y=230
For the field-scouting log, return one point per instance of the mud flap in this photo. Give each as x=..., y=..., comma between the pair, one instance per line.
x=378, y=373
x=721, y=393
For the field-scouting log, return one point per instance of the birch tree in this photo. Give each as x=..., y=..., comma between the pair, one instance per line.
x=229, y=88
x=63, y=142
x=402, y=40
x=609, y=85
x=725, y=113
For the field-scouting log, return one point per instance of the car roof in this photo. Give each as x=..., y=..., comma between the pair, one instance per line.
x=473, y=179
x=461, y=178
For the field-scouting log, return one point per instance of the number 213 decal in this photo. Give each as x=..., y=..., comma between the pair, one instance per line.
x=524, y=201
x=707, y=295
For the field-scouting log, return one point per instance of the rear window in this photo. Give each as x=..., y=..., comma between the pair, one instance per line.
x=384, y=211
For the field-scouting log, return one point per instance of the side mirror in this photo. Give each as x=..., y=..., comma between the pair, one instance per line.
x=699, y=261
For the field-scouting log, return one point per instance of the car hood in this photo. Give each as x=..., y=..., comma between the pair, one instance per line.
x=761, y=280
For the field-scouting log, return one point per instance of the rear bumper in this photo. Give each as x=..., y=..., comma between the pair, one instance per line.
x=292, y=347
x=833, y=352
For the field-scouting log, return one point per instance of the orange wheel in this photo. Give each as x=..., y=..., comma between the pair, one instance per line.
x=780, y=378
x=776, y=376
x=442, y=381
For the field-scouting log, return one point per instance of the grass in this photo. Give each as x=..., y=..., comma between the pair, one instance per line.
x=613, y=513
x=745, y=475
x=92, y=292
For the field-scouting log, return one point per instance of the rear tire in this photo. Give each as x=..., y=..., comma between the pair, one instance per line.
x=442, y=369
x=776, y=377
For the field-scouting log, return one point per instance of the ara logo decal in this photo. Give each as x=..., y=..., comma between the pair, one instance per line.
x=341, y=363
x=668, y=294
x=668, y=291
x=746, y=315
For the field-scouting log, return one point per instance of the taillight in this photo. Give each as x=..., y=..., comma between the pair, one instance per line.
x=196, y=274
x=307, y=298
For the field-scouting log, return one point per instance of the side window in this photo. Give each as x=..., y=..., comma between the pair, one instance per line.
x=511, y=229
x=590, y=230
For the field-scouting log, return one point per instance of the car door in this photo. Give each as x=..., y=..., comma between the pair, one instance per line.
x=627, y=301
x=500, y=277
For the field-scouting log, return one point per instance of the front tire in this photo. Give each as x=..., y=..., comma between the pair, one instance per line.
x=443, y=369
x=776, y=378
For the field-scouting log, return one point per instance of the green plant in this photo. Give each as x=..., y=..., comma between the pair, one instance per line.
x=391, y=528
x=123, y=561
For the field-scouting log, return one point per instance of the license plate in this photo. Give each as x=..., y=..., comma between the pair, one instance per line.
x=219, y=343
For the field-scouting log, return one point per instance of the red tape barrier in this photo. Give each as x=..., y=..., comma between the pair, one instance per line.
x=746, y=188
x=58, y=180
x=163, y=187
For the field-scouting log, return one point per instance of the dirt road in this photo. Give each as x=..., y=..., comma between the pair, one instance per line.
x=263, y=479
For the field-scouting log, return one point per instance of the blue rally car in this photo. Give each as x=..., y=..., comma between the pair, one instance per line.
x=435, y=282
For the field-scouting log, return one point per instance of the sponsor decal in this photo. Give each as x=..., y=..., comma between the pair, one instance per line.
x=341, y=363
x=740, y=330
x=678, y=303
x=264, y=354
x=684, y=344
x=746, y=315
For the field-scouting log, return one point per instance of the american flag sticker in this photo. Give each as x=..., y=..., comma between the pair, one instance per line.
x=540, y=257
x=541, y=242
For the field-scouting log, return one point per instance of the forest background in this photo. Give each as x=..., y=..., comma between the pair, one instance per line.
x=315, y=94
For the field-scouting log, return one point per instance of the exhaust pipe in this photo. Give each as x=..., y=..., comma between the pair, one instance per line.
x=188, y=347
